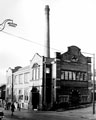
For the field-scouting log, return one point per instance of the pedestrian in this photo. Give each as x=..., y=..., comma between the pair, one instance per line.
x=12, y=107
x=19, y=107
x=15, y=103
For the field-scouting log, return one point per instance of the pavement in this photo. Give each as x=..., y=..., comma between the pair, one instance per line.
x=86, y=113
x=83, y=113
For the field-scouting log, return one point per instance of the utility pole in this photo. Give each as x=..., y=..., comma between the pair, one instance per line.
x=93, y=83
x=12, y=91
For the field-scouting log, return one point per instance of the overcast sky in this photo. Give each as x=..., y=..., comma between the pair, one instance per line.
x=72, y=22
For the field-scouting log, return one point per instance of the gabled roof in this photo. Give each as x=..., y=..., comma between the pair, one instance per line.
x=74, y=55
x=36, y=54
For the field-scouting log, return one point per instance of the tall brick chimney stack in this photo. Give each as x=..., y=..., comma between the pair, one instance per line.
x=47, y=9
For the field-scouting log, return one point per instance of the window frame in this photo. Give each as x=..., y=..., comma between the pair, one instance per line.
x=73, y=75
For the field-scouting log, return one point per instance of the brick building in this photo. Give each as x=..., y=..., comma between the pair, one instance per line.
x=49, y=81
x=72, y=77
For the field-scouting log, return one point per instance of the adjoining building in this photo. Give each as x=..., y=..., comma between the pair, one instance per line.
x=47, y=82
x=72, y=77
x=2, y=94
x=26, y=82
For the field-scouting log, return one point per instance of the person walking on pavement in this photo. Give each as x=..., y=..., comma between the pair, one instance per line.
x=12, y=108
x=19, y=107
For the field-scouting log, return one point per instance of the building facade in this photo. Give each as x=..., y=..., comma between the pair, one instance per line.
x=21, y=86
x=26, y=82
x=72, y=77
x=2, y=94
x=47, y=82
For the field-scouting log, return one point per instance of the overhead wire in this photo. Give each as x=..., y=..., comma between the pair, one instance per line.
x=25, y=39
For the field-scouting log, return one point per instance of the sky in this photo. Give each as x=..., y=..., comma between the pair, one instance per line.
x=72, y=22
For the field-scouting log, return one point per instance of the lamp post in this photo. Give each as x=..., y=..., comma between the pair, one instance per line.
x=2, y=26
x=9, y=22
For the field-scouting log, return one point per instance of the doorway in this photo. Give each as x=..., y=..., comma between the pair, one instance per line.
x=75, y=98
x=35, y=98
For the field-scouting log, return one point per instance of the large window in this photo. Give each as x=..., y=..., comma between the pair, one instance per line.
x=62, y=75
x=38, y=72
x=15, y=91
x=66, y=75
x=70, y=75
x=85, y=76
x=16, y=79
x=20, y=95
x=21, y=78
x=77, y=75
x=73, y=75
x=26, y=95
x=9, y=80
x=26, y=77
x=35, y=72
x=9, y=91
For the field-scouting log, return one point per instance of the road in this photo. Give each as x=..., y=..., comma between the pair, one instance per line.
x=45, y=117
x=77, y=114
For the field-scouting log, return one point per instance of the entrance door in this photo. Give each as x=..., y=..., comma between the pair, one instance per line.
x=75, y=98
x=35, y=98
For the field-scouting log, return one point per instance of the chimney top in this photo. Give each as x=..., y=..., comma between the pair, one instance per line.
x=47, y=9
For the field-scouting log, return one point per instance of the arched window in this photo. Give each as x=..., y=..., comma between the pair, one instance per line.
x=35, y=72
